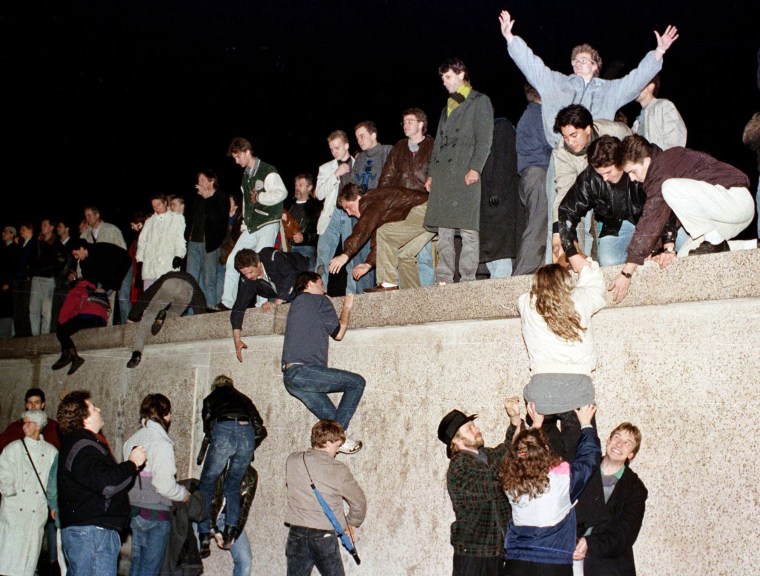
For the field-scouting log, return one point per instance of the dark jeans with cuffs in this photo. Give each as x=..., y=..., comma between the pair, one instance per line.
x=309, y=547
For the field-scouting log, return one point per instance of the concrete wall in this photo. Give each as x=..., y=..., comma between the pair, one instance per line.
x=679, y=358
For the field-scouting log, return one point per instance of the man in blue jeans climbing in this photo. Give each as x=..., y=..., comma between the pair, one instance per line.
x=312, y=321
x=235, y=428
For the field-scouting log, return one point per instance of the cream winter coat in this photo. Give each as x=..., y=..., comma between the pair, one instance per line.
x=162, y=238
x=24, y=510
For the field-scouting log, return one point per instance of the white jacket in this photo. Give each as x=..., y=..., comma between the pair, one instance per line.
x=548, y=353
x=328, y=186
x=661, y=124
x=161, y=239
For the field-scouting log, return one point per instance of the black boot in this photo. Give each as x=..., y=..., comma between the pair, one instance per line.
x=63, y=361
x=135, y=360
x=205, y=541
x=76, y=361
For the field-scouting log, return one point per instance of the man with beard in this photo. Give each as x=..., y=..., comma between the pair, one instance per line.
x=480, y=505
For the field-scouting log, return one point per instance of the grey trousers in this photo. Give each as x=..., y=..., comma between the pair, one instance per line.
x=174, y=293
x=469, y=258
x=532, y=252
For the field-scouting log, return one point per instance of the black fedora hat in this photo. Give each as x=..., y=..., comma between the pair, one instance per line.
x=449, y=425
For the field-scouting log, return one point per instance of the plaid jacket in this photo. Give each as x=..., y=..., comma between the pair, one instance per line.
x=480, y=505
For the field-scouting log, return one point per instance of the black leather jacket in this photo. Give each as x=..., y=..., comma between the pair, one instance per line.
x=226, y=401
x=611, y=203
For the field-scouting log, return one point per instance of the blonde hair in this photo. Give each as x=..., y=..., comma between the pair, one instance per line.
x=591, y=51
x=552, y=287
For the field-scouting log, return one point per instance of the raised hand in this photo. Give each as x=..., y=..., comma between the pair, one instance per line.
x=668, y=37
x=506, y=25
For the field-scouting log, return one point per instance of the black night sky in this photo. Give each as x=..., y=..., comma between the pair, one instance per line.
x=107, y=102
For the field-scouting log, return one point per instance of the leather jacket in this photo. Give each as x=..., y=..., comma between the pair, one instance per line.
x=611, y=203
x=227, y=401
x=406, y=169
x=247, y=493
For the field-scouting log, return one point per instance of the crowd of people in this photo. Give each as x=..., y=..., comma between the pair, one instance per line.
x=568, y=189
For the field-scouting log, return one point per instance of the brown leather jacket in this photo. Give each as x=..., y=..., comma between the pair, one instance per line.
x=378, y=207
x=406, y=168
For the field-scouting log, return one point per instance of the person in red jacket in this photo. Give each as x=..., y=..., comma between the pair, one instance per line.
x=84, y=307
x=34, y=399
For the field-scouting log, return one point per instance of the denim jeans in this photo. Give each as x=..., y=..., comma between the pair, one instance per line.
x=201, y=265
x=264, y=237
x=309, y=251
x=425, y=267
x=311, y=384
x=91, y=550
x=501, y=268
x=340, y=227
x=613, y=250
x=149, y=539
x=242, y=558
x=231, y=443
x=125, y=295
x=221, y=270
x=307, y=548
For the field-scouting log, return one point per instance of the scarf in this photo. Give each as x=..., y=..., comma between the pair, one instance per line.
x=457, y=98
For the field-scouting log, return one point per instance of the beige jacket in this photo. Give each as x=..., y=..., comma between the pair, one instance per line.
x=334, y=481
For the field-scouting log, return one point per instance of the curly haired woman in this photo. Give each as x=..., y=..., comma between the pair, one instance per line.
x=542, y=489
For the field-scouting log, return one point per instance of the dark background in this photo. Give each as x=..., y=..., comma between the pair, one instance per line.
x=107, y=102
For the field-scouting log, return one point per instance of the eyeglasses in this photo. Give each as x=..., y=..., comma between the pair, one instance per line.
x=582, y=60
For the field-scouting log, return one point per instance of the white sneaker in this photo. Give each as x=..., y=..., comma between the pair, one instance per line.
x=350, y=446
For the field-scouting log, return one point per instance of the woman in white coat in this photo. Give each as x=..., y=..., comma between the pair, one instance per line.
x=24, y=510
x=161, y=245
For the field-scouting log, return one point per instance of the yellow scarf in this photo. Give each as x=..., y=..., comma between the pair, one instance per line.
x=457, y=98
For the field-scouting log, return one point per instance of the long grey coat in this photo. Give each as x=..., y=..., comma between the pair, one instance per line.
x=463, y=141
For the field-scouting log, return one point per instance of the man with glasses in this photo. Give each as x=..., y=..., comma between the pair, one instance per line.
x=601, y=97
x=406, y=167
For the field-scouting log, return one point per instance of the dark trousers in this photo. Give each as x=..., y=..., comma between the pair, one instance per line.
x=523, y=568
x=65, y=331
x=479, y=566
x=564, y=441
x=309, y=547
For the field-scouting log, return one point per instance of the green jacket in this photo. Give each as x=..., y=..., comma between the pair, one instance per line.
x=263, y=179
